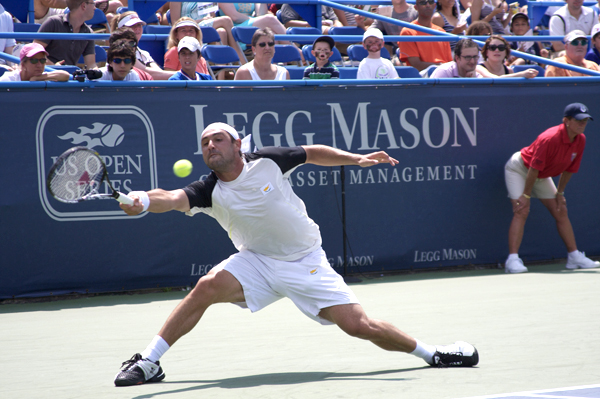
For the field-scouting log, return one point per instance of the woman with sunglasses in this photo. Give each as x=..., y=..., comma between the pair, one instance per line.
x=120, y=59
x=261, y=67
x=495, y=53
x=33, y=60
x=529, y=172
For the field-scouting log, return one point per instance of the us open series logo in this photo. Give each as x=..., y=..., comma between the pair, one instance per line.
x=124, y=138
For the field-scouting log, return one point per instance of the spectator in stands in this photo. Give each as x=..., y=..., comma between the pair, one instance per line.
x=492, y=12
x=6, y=25
x=204, y=14
x=291, y=18
x=120, y=59
x=529, y=172
x=399, y=10
x=479, y=28
x=575, y=47
x=188, y=50
x=250, y=14
x=570, y=17
x=495, y=52
x=126, y=35
x=44, y=9
x=261, y=68
x=349, y=18
x=322, y=68
x=145, y=62
x=373, y=66
x=447, y=17
x=33, y=60
x=594, y=53
x=421, y=55
x=184, y=27
x=67, y=52
x=519, y=26
x=466, y=54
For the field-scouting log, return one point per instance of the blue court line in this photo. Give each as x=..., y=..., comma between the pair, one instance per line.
x=580, y=392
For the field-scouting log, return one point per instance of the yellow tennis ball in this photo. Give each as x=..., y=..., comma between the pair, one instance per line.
x=182, y=168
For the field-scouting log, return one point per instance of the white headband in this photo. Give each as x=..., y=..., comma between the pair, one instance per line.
x=222, y=126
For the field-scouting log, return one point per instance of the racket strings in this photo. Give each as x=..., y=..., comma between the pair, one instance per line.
x=78, y=175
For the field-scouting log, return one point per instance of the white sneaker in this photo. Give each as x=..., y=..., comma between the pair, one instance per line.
x=515, y=266
x=580, y=261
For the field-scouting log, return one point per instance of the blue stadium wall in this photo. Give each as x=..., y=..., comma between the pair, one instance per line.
x=444, y=204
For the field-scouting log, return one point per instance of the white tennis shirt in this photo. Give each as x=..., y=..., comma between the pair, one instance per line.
x=259, y=209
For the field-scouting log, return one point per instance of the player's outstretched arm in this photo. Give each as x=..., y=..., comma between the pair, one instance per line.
x=328, y=156
x=160, y=201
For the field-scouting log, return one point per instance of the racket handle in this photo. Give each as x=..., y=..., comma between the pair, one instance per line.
x=124, y=199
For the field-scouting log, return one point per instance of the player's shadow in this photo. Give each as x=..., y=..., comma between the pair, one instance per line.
x=291, y=378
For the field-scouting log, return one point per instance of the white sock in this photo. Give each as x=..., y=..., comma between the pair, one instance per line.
x=424, y=351
x=156, y=349
x=513, y=256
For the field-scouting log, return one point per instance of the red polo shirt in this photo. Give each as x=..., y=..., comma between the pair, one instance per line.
x=552, y=153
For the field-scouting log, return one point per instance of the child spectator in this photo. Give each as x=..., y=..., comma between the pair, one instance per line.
x=126, y=35
x=519, y=26
x=594, y=53
x=184, y=26
x=373, y=66
x=322, y=67
x=120, y=59
x=189, y=54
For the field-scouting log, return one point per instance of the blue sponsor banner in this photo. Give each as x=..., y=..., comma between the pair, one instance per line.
x=444, y=204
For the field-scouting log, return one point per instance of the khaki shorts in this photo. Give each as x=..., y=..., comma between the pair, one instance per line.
x=515, y=174
x=311, y=283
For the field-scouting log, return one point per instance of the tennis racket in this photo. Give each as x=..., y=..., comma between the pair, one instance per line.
x=77, y=175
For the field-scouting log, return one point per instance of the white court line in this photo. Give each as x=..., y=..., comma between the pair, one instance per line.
x=545, y=393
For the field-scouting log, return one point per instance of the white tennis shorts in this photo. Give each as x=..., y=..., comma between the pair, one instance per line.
x=515, y=174
x=311, y=283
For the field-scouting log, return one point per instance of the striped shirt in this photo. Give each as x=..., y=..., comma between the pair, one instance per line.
x=329, y=71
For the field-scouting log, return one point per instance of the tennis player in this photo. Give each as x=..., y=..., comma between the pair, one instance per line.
x=279, y=246
x=529, y=172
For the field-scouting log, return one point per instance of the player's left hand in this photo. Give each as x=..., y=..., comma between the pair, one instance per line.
x=375, y=158
x=561, y=203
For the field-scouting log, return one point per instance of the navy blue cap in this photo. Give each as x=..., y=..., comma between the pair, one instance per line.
x=577, y=111
x=326, y=39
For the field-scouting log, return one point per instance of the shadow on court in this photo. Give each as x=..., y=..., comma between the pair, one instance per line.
x=291, y=378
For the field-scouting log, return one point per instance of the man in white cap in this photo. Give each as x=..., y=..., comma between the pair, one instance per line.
x=279, y=246
x=373, y=66
x=576, y=44
x=66, y=52
x=33, y=60
x=189, y=54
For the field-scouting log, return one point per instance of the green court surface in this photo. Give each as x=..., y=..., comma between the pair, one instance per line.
x=538, y=335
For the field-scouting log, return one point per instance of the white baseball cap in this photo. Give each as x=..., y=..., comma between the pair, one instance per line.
x=575, y=34
x=130, y=20
x=595, y=30
x=190, y=43
x=372, y=32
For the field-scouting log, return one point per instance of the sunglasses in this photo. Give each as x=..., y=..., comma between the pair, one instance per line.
x=470, y=57
x=426, y=2
x=263, y=44
x=127, y=61
x=579, y=42
x=499, y=47
x=36, y=60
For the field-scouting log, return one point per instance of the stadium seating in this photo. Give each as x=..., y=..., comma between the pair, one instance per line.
x=220, y=57
x=100, y=56
x=286, y=53
x=346, y=30
x=295, y=72
x=408, y=72
x=210, y=35
x=98, y=22
x=303, y=31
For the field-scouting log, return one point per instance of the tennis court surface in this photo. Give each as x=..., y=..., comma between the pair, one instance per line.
x=538, y=335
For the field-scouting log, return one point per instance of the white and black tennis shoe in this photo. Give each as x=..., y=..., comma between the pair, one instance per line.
x=458, y=354
x=136, y=371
